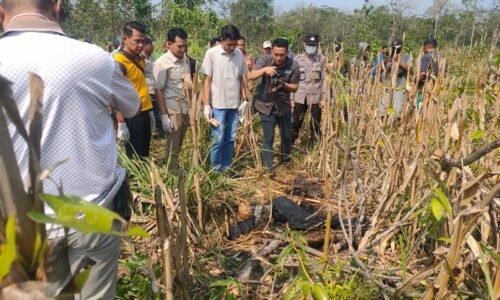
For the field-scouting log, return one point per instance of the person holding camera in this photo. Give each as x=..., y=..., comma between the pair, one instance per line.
x=280, y=76
x=310, y=92
x=395, y=91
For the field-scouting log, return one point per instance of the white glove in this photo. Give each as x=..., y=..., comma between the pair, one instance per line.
x=207, y=112
x=152, y=119
x=167, y=124
x=243, y=108
x=123, y=134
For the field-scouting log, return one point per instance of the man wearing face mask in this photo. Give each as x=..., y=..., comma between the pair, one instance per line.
x=280, y=75
x=396, y=65
x=310, y=93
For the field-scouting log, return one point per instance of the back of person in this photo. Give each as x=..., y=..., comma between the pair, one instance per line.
x=76, y=124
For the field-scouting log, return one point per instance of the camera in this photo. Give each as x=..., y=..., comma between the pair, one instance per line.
x=276, y=80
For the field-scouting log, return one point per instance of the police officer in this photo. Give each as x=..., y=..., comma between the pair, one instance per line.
x=311, y=87
x=280, y=76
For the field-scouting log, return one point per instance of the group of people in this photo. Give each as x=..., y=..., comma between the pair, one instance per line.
x=83, y=83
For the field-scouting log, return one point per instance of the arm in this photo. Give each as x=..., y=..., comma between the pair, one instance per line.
x=206, y=90
x=124, y=97
x=291, y=87
x=243, y=89
x=256, y=74
x=160, y=100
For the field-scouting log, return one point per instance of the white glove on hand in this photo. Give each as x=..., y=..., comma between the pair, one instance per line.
x=243, y=108
x=122, y=133
x=207, y=112
x=167, y=124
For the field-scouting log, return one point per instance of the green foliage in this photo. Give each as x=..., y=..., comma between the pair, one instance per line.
x=83, y=216
x=8, y=250
x=254, y=18
x=225, y=289
x=137, y=284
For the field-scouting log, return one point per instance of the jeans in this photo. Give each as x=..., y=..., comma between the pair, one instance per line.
x=139, y=127
x=268, y=125
x=299, y=113
x=223, y=138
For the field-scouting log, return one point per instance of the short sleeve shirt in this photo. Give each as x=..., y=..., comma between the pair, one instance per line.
x=312, y=78
x=401, y=75
x=76, y=121
x=226, y=71
x=138, y=79
x=265, y=99
x=148, y=70
x=169, y=72
x=429, y=65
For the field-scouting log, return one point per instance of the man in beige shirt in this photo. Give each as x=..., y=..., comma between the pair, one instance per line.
x=170, y=71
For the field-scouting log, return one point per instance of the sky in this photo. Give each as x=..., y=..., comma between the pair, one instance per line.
x=350, y=5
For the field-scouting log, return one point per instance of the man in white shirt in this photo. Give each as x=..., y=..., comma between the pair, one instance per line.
x=224, y=67
x=81, y=82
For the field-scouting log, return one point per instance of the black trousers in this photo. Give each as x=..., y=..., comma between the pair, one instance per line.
x=139, y=127
x=269, y=123
x=299, y=113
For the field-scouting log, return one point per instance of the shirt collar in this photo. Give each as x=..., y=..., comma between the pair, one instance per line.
x=222, y=51
x=172, y=57
x=32, y=23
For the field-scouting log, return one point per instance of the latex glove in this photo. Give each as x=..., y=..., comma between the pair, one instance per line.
x=207, y=112
x=243, y=108
x=122, y=133
x=167, y=124
x=152, y=119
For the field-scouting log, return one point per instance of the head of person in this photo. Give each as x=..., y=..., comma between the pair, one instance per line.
x=242, y=44
x=133, y=37
x=337, y=47
x=279, y=51
x=177, y=42
x=383, y=49
x=229, y=36
x=214, y=41
x=52, y=9
x=311, y=42
x=266, y=47
x=396, y=47
x=364, y=50
x=430, y=45
x=148, y=46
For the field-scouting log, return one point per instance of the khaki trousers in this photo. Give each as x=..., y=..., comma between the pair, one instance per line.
x=175, y=140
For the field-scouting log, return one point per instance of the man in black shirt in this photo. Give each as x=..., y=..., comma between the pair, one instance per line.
x=429, y=67
x=280, y=76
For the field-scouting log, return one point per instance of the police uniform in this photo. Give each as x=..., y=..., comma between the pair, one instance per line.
x=311, y=89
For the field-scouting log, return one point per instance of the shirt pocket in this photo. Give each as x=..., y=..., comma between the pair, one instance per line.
x=302, y=73
x=317, y=73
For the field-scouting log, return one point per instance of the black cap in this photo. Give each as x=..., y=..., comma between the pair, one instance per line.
x=311, y=39
x=397, y=43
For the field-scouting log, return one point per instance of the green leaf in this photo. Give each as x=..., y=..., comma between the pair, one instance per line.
x=478, y=135
x=444, y=200
x=447, y=240
x=438, y=210
x=81, y=278
x=491, y=252
x=83, y=216
x=306, y=288
x=8, y=250
x=319, y=292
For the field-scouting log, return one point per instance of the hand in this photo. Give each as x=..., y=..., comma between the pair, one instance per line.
x=243, y=108
x=167, y=124
x=270, y=71
x=207, y=112
x=122, y=133
x=292, y=103
x=322, y=104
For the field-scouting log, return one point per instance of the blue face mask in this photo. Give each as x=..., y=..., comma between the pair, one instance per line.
x=311, y=49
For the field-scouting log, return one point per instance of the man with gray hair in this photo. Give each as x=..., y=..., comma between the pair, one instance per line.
x=76, y=126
